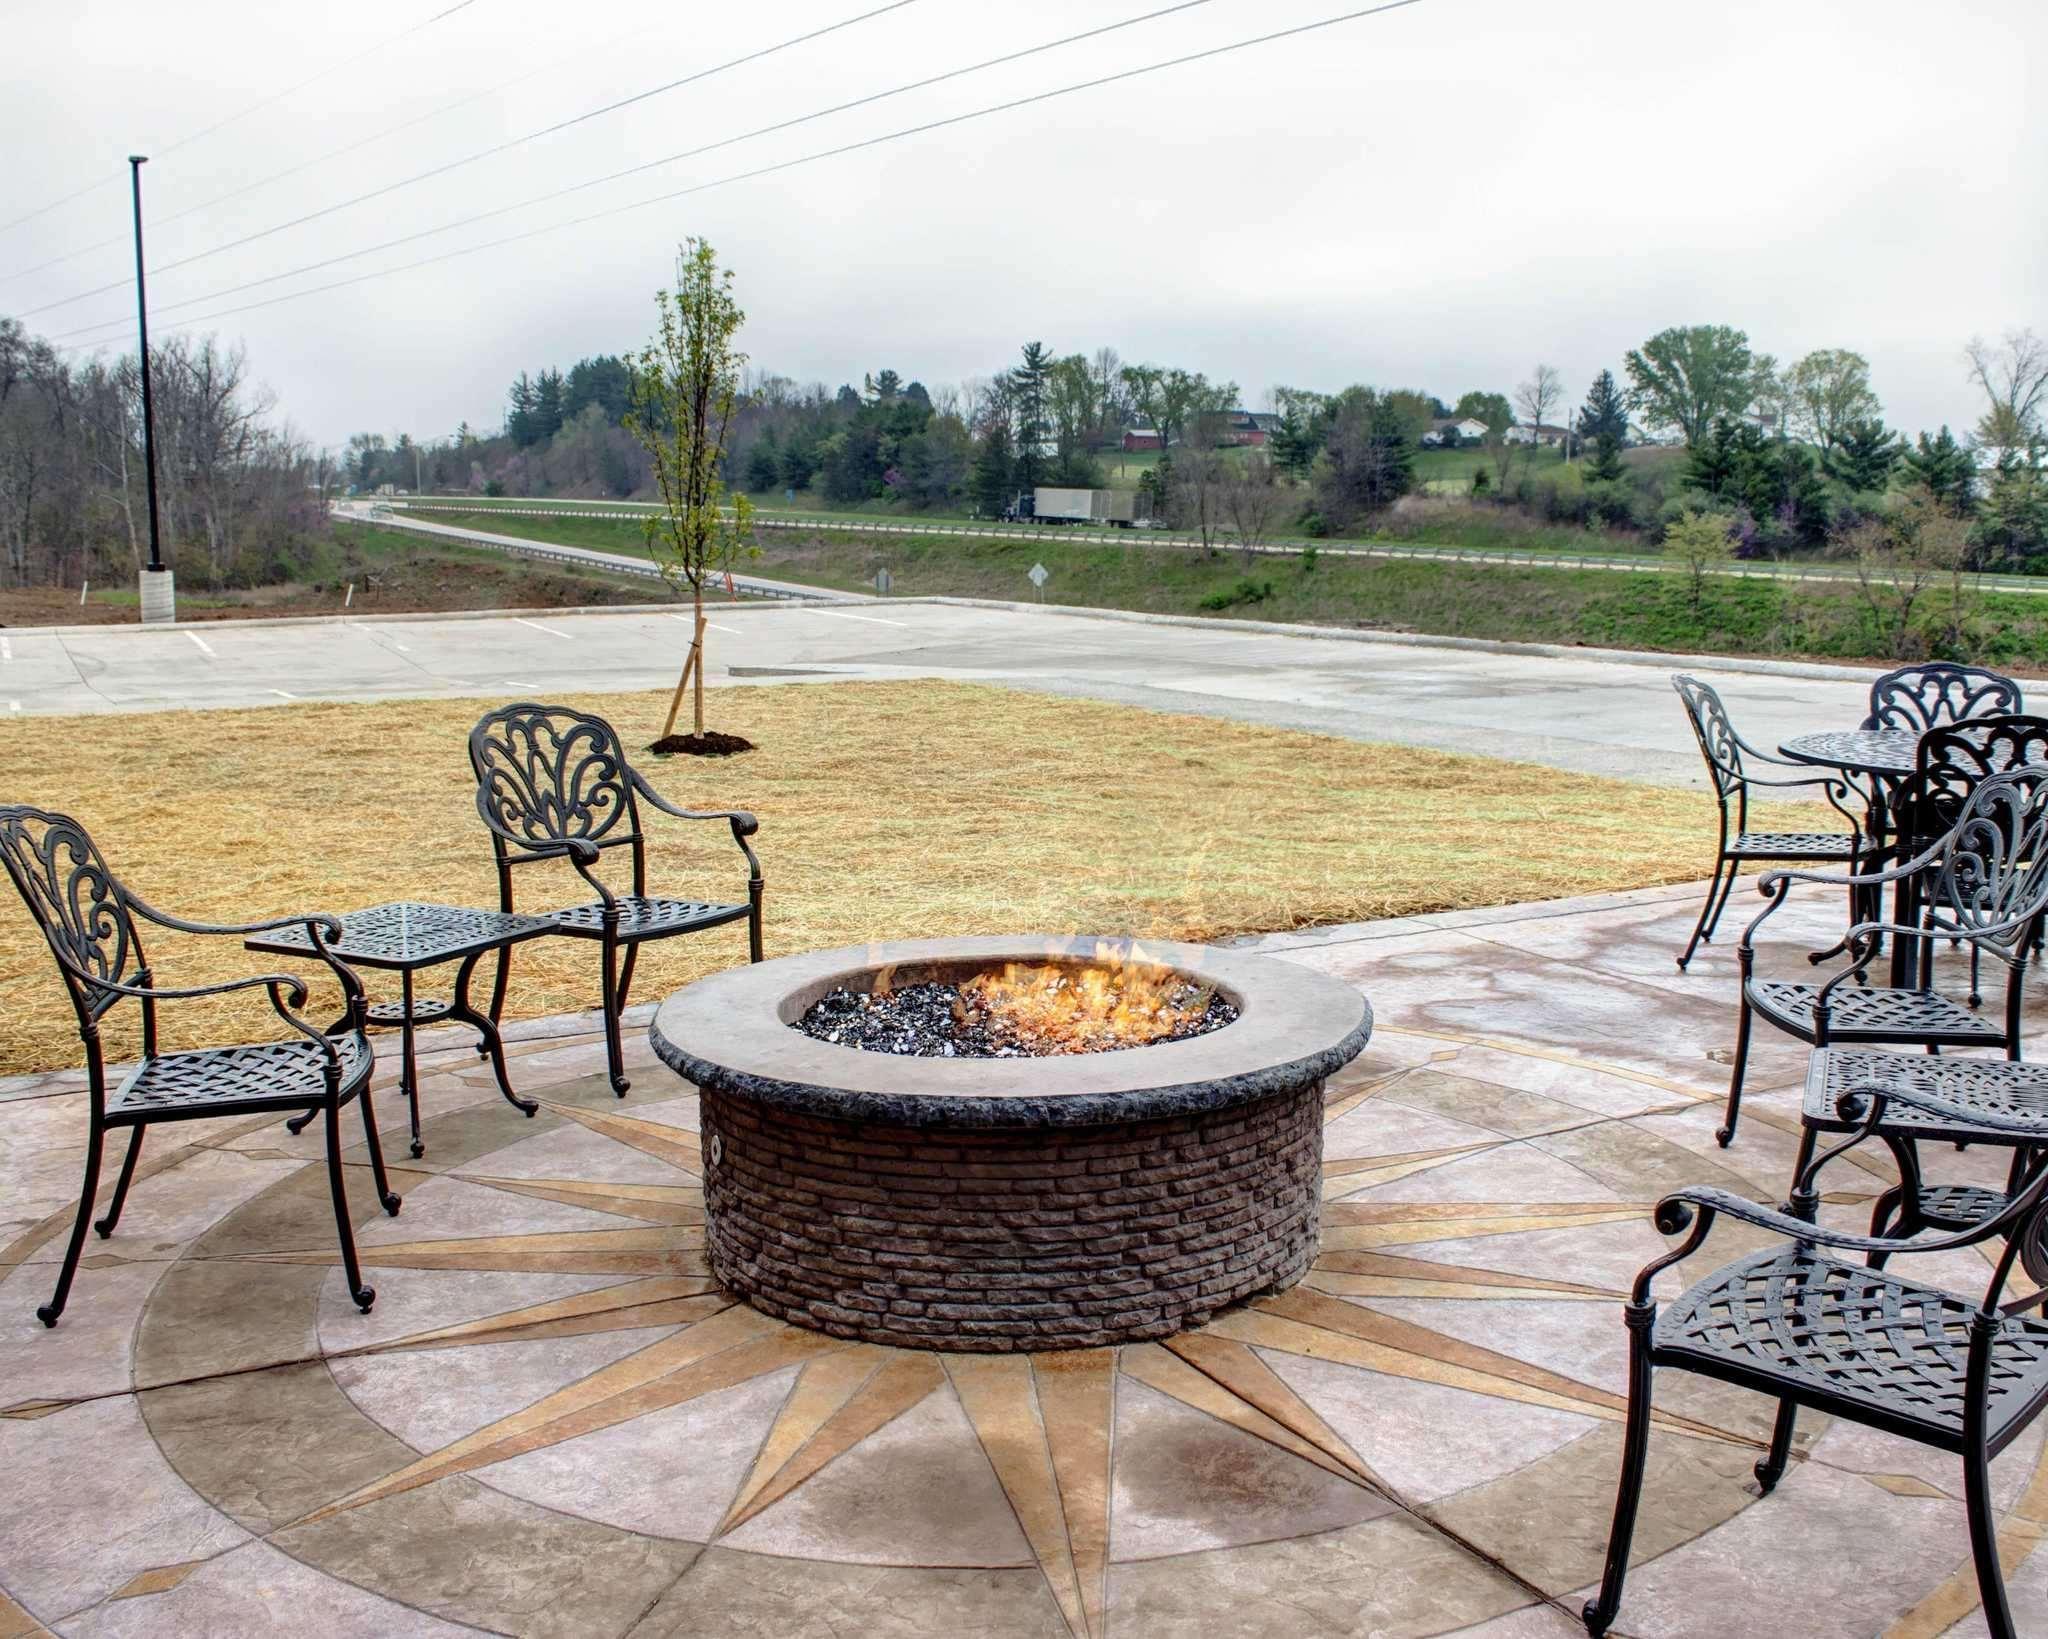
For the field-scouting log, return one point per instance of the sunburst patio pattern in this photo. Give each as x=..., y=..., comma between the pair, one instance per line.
x=555, y=1422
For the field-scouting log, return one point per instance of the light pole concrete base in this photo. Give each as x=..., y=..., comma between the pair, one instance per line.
x=159, y=597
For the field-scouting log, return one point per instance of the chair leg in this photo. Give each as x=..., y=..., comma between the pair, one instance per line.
x=615, y=1055
x=626, y=975
x=389, y=1201
x=1771, y=1467
x=48, y=1312
x=498, y=984
x=105, y=1226
x=337, y=1186
x=1725, y=1135
x=1699, y=928
x=1721, y=904
x=1635, y=1455
x=1984, y=1545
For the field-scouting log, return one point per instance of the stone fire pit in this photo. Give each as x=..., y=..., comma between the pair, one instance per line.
x=1009, y=1203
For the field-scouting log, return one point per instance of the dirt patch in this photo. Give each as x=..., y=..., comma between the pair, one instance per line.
x=708, y=744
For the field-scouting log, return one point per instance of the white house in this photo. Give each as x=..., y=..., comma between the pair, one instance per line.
x=1543, y=434
x=1469, y=430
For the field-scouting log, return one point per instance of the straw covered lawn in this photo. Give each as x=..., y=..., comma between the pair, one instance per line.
x=888, y=810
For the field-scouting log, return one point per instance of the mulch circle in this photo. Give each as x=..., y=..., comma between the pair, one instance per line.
x=700, y=745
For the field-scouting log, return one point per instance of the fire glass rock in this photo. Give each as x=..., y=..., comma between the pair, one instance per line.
x=936, y=1020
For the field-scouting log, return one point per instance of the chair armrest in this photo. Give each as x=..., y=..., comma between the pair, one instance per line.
x=286, y=982
x=2019, y=1124
x=329, y=925
x=1674, y=1215
x=743, y=823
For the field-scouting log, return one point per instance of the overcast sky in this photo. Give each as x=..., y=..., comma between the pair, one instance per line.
x=1440, y=197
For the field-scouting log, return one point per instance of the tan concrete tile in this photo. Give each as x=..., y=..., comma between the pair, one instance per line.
x=214, y=1316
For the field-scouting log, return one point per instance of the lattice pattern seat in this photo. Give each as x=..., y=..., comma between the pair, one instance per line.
x=1879, y=1013
x=1793, y=845
x=274, y=1075
x=646, y=918
x=1996, y=1086
x=1858, y=1341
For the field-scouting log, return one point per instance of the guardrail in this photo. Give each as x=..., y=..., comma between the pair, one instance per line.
x=1429, y=552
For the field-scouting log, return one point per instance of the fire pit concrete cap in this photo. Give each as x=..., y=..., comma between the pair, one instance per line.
x=733, y=1032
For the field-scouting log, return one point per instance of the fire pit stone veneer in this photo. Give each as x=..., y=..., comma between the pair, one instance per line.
x=1014, y=1203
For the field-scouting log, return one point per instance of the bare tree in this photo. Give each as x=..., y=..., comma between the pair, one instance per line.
x=2013, y=375
x=1899, y=558
x=1250, y=502
x=1536, y=398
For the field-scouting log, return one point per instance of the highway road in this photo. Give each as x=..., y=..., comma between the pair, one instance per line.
x=1575, y=709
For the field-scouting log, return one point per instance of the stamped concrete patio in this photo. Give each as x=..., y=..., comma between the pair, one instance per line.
x=553, y=1423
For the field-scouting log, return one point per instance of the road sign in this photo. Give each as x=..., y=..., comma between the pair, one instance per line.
x=882, y=583
x=1040, y=575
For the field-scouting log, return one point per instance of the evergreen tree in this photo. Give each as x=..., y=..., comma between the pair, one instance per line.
x=2012, y=521
x=1029, y=383
x=1714, y=466
x=519, y=422
x=1298, y=440
x=992, y=484
x=547, y=405
x=799, y=460
x=764, y=463
x=1945, y=467
x=604, y=381
x=1603, y=423
x=1863, y=456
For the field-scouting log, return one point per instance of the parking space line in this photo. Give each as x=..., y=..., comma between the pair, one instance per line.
x=281, y=694
x=6, y=649
x=538, y=627
x=841, y=614
x=205, y=648
x=730, y=631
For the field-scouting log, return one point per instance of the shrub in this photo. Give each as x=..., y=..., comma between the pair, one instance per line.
x=1314, y=524
x=494, y=489
x=1246, y=590
x=1308, y=560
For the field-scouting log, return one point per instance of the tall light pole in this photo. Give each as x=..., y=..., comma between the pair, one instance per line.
x=159, y=595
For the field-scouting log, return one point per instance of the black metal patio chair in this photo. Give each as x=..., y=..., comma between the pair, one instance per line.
x=89, y=917
x=1918, y=698
x=553, y=783
x=1976, y=885
x=1812, y=1329
x=1729, y=758
x=1969, y=1086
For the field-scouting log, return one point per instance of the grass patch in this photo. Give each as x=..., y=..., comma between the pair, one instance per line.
x=888, y=810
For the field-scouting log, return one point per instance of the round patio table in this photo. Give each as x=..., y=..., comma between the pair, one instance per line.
x=1886, y=753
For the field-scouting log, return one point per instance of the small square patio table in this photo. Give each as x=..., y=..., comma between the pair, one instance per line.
x=404, y=937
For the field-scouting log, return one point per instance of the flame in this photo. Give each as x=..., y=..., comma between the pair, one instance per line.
x=1048, y=1008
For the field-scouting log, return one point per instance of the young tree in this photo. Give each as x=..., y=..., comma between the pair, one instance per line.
x=1698, y=545
x=1830, y=392
x=1899, y=558
x=1689, y=377
x=1251, y=502
x=684, y=383
x=1603, y=423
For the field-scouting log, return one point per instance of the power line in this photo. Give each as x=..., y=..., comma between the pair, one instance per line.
x=253, y=108
x=480, y=154
x=655, y=164
x=321, y=159
x=805, y=159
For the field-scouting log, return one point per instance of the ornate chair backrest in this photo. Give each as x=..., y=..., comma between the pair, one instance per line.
x=76, y=900
x=545, y=774
x=1989, y=881
x=1919, y=698
x=1952, y=761
x=1715, y=733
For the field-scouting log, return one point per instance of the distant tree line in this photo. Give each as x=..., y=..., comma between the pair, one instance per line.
x=238, y=490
